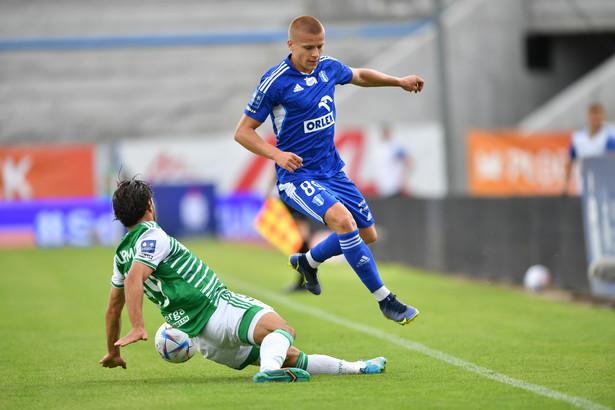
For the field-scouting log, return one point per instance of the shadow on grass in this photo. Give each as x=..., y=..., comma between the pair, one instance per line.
x=166, y=380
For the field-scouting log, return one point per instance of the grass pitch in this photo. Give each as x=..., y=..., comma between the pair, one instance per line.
x=474, y=346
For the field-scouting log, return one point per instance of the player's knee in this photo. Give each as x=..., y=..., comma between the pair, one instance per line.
x=290, y=330
x=344, y=224
x=340, y=219
x=369, y=236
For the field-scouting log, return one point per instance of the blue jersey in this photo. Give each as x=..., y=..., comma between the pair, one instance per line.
x=302, y=110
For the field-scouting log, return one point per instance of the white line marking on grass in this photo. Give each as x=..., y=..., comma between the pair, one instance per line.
x=416, y=346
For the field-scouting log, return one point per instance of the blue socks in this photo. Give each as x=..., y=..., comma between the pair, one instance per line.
x=360, y=259
x=357, y=254
x=326, y=249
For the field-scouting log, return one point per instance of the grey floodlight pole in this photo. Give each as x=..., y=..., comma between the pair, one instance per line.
x=444, y=104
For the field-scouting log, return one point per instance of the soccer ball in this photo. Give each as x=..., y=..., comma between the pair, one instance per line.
x=173, y=345
x=537, y=278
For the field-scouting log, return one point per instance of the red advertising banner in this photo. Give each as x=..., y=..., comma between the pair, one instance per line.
x=46, y=171
x=508, y=163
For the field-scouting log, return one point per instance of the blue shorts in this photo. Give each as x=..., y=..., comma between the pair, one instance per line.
x=314, y=197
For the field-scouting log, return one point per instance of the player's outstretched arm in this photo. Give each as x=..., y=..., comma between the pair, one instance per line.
x=113, y=319
x=246, y=135
x=133, y=288
x=366, y=77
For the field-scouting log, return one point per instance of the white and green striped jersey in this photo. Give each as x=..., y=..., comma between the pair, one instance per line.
x=184, y=288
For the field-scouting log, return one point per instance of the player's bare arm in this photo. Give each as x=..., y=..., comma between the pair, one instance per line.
x=113, y=319
x=366, y=77
x=133, y=288
x=246, y=135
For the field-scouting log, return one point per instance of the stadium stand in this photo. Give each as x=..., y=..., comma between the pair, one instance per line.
x=185, y=68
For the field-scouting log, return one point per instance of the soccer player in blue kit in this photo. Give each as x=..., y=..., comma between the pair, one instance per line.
x=298, y=94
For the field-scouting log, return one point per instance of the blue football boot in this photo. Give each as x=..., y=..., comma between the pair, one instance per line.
x=396, y=311
x=299, y=262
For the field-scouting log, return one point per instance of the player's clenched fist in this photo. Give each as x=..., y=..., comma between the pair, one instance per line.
x=412, y=83
x=288, y=161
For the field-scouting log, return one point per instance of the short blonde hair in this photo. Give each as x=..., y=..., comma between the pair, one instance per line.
x=305, y=24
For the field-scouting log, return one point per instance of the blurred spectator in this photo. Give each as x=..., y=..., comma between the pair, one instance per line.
x=597, y=138
x=393, y=164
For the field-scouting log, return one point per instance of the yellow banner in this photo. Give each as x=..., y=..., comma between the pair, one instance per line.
x=275, y=223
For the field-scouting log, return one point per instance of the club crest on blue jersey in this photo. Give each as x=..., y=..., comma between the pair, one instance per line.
x=323, y=76
x=310, y=81
x=148, y=246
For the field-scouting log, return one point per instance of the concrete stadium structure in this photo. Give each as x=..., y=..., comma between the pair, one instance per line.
x=90, y=71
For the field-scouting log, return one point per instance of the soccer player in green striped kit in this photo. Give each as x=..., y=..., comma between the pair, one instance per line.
x=227, y=328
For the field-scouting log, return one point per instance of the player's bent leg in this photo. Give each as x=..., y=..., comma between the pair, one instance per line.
x=362, y=261
x=275, y=338
x=275, y=350
x=339, y=219
x=268, y=323
x=325, y=249
x=369, y=234
x=292, y=358
x=315, y=201
x=322, y=364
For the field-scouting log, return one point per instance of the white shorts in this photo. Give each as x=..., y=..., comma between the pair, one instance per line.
x=228, y=336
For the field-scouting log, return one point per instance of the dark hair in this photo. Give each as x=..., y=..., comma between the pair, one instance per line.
x=130, y=201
